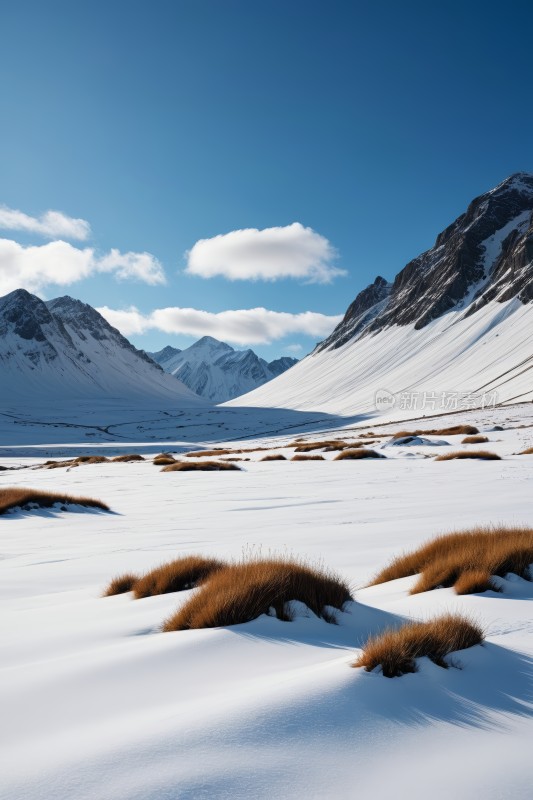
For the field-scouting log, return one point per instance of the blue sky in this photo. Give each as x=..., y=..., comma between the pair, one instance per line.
x=167, y=122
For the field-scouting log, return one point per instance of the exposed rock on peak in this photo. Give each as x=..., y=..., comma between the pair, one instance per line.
x=453, y=330
x=65, y=348
x=85, y=321
x=486, y=254
x=364, y=309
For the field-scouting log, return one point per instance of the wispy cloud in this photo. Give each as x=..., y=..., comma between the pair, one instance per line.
x=51, y=224
x=241, y=326
x=294, y=348
x=60, y=264
x=292, y=251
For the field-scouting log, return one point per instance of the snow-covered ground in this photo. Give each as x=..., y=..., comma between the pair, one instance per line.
x=97, y=703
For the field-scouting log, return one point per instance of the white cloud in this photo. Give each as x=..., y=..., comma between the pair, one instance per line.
x=250, y=254
x=129, y=322
x=294, y=348
x=60, y=264
x=141, y=266
x=51, y=224
x=243, y=326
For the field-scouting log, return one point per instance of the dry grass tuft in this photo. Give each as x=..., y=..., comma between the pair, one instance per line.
x=176, y=576
x=358, y=453
x=465, y=559
x=244, y=591
x=475, y=440
x=274, y=457
x=14, y=497
x=395, y=650
x=334, y=444
x=484, y=455
x=128, y=457
x=79, y=460
x=224, y=452
x=163, y=461
x=202, y=466
x=121, y=584
x=474, y=581
x=466, y=430
x=307, y=458
x=528, y=452
x=216, y=452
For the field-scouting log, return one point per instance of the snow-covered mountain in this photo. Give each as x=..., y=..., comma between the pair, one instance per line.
x=216, y=371
x=455, y=325
x=65, y=349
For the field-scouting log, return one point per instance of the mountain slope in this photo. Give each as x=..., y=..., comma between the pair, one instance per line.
x=457, y=320
x=66, y=349
x=216, y=371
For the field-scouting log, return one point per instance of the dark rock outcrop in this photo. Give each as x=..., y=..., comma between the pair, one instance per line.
x=486, y=254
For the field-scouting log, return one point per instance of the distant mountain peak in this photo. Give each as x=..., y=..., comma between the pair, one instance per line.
x=216, y=371
x=211, y=343
x=165, y=354
x=518, y=181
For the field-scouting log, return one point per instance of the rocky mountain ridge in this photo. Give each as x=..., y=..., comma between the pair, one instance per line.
x=485, y=254
x=64, y=348
x=454, y=326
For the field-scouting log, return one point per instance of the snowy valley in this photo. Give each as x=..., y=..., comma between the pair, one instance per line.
x=412, y=420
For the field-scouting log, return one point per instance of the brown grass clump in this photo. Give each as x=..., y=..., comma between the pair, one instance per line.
x=474, y=581
x=396, y=650
x=484, y=455
x=15, y=497
x=244, y=591
x=58, y=464
x=360, y=443
x=307, y=447
x=528, y=452
x=455, y=430
x=357, y=453
x=273, y=457
x=224, y=452
x=128, y=457
x=90, y=460
x=465, y=559
x=216, y=452
x=475, y=440
x=307, y=458
x=121, y=584
x=466, y=430
x=163, y=461
x=176, y=576
x=203, y=466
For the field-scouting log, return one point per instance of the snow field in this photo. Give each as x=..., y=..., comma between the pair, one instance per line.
x=97, y=702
